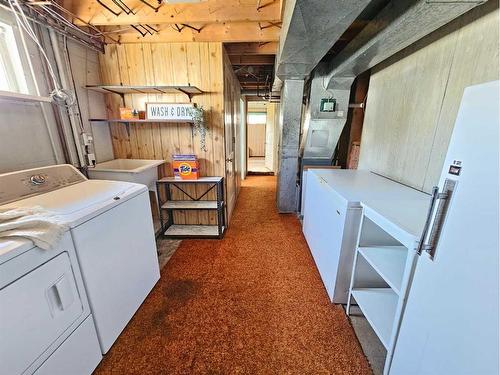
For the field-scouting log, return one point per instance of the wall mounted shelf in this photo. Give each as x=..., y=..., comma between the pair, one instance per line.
x=121, y=90
x=126, y=121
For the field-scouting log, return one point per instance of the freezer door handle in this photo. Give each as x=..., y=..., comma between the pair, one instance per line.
x=434, y=197
x=439, y=216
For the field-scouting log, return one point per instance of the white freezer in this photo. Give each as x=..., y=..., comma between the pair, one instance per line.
x=451, y=320
x=332, y=213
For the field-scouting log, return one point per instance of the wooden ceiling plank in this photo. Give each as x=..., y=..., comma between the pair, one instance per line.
x=211, y=11
x=230, y=32
x=269, y=48
x=252, y=59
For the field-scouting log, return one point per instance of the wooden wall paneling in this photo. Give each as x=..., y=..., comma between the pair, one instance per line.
x=414, y=97
x=232, y=95
x=200, y=64
x=475, y=60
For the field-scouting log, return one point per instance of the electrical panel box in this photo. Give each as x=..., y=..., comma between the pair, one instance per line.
x=327, y=105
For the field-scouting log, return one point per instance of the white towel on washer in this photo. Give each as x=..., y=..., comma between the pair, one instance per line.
x=44, y=228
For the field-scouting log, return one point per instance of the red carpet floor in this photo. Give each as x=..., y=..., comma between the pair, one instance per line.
x=252, y=303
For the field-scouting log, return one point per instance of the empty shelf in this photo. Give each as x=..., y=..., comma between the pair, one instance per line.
x=140, y=89
x=139, y=121
x=190, y=205
x=193, y=230
x=388, y=261
x=379, y=308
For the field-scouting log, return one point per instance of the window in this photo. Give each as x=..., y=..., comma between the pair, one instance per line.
x=11, y=71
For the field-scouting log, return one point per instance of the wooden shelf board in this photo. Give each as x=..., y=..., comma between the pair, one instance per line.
x=388, y=261
x=379, y=308
x=141, y=89
x=192, y=230
x=139, y=121
x=190, y=205
x=201, y=180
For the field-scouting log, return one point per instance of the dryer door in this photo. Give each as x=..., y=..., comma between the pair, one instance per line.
x=34, y=311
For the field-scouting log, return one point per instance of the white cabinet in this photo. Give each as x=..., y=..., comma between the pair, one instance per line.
x=384, y=262
x=330, y=228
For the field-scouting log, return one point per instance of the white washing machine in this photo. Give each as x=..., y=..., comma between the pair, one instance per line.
x=45, y=322
x=112, y=231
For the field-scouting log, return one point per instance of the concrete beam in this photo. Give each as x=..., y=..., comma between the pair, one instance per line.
x=291, y=107
x=396, y=26
x=310, y=29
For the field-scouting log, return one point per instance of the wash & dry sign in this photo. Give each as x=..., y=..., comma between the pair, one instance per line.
x=169, y=111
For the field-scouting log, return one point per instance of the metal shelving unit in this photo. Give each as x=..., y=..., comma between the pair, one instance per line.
x=172, y=230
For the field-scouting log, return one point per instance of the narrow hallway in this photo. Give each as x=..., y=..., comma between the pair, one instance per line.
x=252, y=303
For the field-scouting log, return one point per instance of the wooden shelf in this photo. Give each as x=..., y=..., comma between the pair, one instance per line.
x=141, y=89
x=190, y=205
x=389, y=262
x=139, y=121
x=192, y=230
x=379, y=308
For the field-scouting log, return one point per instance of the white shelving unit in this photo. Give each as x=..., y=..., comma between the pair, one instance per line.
x=384, y=262
x=379, y=306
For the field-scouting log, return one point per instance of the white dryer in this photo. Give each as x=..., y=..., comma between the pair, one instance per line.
x=45, y=321
x=112, y=231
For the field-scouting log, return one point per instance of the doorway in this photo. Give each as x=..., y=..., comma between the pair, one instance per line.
x=261, y=137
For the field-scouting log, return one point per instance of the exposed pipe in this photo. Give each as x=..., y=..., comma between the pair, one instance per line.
x=65, y=84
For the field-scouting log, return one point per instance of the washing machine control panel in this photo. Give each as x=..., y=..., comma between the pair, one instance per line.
x=23, y=184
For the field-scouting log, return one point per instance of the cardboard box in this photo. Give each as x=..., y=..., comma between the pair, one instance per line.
x=128, y=114
x=186, y=167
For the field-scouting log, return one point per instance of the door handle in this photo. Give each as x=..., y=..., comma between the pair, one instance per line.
x=60, y=295
x=435, y=218
x=441, y=209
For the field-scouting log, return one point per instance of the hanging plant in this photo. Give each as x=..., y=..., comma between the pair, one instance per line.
x=199, y=126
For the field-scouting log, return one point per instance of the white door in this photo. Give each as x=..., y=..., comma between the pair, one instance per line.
x=269, y=145
x=450, y=324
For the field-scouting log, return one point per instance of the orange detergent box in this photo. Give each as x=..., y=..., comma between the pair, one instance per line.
x=186, y=167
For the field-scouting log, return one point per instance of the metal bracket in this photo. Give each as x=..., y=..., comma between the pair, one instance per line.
x=108, y=8
x=271, y=24
x=120, y=4
x=151, y=6
x=262, y=6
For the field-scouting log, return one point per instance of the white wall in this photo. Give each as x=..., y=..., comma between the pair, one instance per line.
x=414, y=97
